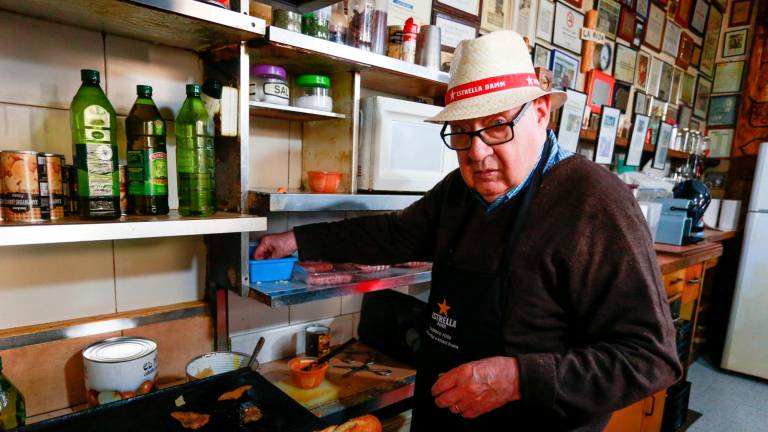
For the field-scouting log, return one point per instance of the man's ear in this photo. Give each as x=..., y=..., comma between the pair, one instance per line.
x=541, y=107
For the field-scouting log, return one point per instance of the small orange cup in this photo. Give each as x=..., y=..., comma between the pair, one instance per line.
x=309, y=379
x=324, y=181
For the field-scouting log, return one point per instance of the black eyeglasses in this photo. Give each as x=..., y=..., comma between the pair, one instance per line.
x=491, y=135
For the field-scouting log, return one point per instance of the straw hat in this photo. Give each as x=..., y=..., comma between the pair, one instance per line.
x=491, y=74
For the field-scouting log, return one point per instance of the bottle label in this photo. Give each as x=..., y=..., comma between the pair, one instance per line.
x=276, y=89
x=147, y=173
x=99, y=163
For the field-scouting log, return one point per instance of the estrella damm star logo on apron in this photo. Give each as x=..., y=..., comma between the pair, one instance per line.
x=442, y=328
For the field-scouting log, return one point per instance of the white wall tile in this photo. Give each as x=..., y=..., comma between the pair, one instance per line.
x=351, y=303
x=33, y=128
x=156, y=272
x=315, y=310
x=295, y=158
x=420, y=291
x=249, y=315
x=40, y=62
x=167, y=70
x=270, y=149
x=48, y=283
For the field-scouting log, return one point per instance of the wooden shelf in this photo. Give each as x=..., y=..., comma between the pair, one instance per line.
x=75, y=230
x=284, y=112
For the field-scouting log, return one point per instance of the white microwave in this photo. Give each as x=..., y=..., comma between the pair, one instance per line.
x=400, y=152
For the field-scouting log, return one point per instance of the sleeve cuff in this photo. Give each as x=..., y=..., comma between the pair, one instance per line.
x=308, y=243
x=537, y=379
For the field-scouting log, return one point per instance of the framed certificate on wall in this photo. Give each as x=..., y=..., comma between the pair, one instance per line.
x=568, y=24
x=493, y=15
x=469, y=7
x=453, y=30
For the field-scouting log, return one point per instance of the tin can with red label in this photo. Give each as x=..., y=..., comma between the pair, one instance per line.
x=123, y=194
x=54, y=165
x=25, y=186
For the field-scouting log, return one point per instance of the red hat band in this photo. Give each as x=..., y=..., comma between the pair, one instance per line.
x=490, y=85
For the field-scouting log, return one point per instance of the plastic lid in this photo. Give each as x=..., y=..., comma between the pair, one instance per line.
x=212, y=87
x=266, y=69
x=410, y=26
x=193, y=90
x=143, y=90
x=119, y=349
x=313, y=81
x=89, y=75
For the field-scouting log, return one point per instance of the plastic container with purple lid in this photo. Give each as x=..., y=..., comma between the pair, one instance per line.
x=269, y=83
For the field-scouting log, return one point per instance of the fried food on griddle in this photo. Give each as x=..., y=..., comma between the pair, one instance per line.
x=235, y=394
x=249, y=413
x=191, y=420
x=366, y=423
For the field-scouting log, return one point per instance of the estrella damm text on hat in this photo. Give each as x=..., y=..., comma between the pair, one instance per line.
x=490, y=85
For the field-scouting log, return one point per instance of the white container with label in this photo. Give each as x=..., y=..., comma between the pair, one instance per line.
x=119, y=368
x=269, y=83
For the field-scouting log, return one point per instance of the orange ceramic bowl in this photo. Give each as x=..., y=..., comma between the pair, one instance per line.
x=309, y=379
x=324, y=181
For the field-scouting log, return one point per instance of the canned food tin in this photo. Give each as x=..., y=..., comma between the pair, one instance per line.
x=119, y=368
x=70, y=189
x=123, y=195
x=25, y=186
x=317, y=340
x=53, y=164
x=2, y=180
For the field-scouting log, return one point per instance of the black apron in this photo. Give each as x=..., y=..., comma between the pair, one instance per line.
x=464, y=319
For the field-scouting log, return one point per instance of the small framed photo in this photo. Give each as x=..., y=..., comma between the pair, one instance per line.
x=696, y=124
x=568, y=24
x=571, y=118
x=494, y=14
x=720, y=141
x=672, y=39
x=627, y=25
x=683, y=12
x=565, y=70
x=665, y=82
x=701, y=103
x=674, y=95
x=541, y=56
x=671, y=115
x=653, y=35
x=621, y=96
x=468, y=9
x=641, y=103
x=687, y=89
x=653, y=126
x=695, y=56
x=741, y=13
x=728, y=77
x=722, y=111
x=684, y=116
x=624, y=67
x=641, y=9
x=546, y=20
x=654, y=77
x=684, y=51
x=735, y=43
x=658, y=108
x=667, y=133
x=637, y=39
x=606, y=134
x=599, y=90
x=608, y=12
x=637, y=139
x=524, y=18
x=699, y=17
x=453, y=30
x=641, y=71
x=710, y=42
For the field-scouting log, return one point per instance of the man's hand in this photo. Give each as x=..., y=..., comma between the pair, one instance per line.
x=276, y=246
x=478, y=387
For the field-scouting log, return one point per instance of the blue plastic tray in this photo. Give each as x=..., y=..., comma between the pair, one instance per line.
x=271, y=269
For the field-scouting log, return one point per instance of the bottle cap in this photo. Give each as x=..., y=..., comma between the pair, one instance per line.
x=193, y=90
x=313, y=81
x=410, y=26
x=144, y=91
x=212, y=87
x=89, y=75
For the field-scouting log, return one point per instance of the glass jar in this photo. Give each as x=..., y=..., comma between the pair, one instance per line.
x=361, y=23
x=316, y=23
x=337, y=31
x=269, y=83
x=286, y=19
x=313, y=92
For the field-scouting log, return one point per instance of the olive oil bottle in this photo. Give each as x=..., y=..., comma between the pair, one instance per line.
x=147, y=157
x=195, y=159
x=12, y=410
x=94, y=137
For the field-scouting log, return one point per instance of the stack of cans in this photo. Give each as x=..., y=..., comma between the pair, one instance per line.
x=32, y=188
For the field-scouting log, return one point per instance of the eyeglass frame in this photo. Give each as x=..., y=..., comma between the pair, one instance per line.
x=477, y=133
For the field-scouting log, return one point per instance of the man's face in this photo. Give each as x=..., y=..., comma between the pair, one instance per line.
x=494, y=170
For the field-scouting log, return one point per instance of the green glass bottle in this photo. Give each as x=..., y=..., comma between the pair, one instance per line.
x=13, y=412
x=195, y=160
x=147, y=157
x=94, y=137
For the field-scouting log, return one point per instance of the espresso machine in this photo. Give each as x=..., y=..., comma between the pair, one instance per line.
x=682, y=217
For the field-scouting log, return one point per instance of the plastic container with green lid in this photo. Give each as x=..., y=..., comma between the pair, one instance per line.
x=314, y=92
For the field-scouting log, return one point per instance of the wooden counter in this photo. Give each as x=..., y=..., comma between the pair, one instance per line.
x=686, y=256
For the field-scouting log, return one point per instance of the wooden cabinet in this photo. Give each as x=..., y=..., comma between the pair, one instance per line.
x=641, y=416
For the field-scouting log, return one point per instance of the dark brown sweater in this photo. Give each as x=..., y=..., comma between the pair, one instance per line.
x=587, y=316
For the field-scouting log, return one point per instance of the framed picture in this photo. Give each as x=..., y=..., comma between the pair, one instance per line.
x=608, y=12
x=687, y=89
x=674, y=94
x=606, y=134
x=469, y=8
x=565, y=70
x=710, y=44
x=546, y=20
x=624, y=66
x=695, y=56
x=453, y=30
x=741, y=13
x=683, y=12
x=719, y=4
x=641, y=103
x=723, y=110
x=671, y=115
x=735, y=43
x=494, y=14
x=401, y=10
x=684, y=116
x=575, y=3
x=641, y=9
x=541, y=56
x=665, y=82
x=701, y=103
x=621, y=96
x=672, y=39
x=699, y=17
x=653, y=126
x=658, y=108
x=599, y=90
x=627, y=25
x=684, y=51
x=728, y=77
x=667, y=132
x=653, y=35
x=637, y=38
x=568, y=24
x=637, y=139
x=643, y=65
x=654, y=77
x=696, y=124
x=720, y=141
x=524, y=18
x=571, y=117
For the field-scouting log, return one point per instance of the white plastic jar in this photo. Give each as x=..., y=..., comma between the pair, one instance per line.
x=269, y=83
x=314, y=92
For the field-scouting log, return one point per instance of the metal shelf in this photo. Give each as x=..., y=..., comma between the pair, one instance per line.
x=286, y=293
x=262, y=202
x=75, y=230
x=306, y=54
x=283, y=112
x=179, y=23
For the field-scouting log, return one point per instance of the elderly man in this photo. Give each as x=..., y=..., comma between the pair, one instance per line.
x=546, y=310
